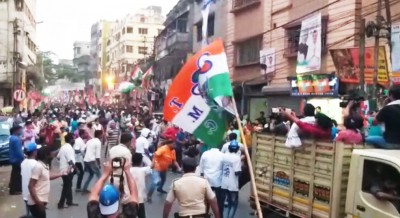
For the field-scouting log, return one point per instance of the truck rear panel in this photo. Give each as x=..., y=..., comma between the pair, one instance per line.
x=306, y=182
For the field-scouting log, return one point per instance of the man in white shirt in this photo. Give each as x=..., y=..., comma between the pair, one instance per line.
x=66, y=155
x=140, y=173
x=92, y=158
x=211, y=168
x=143, y=144
x=122, y=150
x=231, y=167
x=26, y=171
x=80, y=148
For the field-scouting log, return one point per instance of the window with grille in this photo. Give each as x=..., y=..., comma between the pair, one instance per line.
x=210, y=28
x=248, y=52
x=143, y=31
x=129, y=30
x=143, y=50
x=129, y=49
x=293, y=39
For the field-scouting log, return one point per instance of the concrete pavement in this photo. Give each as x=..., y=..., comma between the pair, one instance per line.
x=13, y=206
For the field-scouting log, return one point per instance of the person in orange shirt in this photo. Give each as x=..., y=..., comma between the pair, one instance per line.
x=163, y=158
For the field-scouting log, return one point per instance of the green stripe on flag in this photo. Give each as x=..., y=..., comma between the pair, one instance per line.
x=212, y=130
x=219, y=85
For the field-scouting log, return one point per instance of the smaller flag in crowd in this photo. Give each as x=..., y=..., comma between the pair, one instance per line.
x=147, y=78
x=137, y=74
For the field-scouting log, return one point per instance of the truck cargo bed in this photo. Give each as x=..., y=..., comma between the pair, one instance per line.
x=306, y=182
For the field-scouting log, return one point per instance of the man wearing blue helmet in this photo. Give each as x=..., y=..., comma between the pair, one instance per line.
x=231, y=169
x=104, y=200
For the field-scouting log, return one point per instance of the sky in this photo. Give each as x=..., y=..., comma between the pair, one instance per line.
x=61, y=22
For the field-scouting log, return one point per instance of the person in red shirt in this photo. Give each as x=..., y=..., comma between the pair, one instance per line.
x=321, y=130
x=171, y=132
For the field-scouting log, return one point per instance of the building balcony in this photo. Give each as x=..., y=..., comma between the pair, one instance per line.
x=239, y=5
x=177, y=37
x=178, y=40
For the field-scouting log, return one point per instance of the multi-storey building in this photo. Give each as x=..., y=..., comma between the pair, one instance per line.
x=83, y=60
x=216, y=27
x=131, y=39
x=255, y=25
x=98, y=45
x=17, y=46
x=174, y=43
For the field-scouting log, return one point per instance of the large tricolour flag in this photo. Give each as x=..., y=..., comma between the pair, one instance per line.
x=190, y=108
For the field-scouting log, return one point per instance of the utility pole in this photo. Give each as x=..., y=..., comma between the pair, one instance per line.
x=15, y=60
x=376, y=56
x=362, y=56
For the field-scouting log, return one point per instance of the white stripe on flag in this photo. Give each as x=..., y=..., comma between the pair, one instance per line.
x=219, y=66
x=194, y=112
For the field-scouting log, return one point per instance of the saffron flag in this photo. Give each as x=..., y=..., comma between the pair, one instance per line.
x=215, y=81
x=188, y=107
x=146, y=78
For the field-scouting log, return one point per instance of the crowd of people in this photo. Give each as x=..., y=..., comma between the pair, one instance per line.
x=128, y=156
x=377, y=128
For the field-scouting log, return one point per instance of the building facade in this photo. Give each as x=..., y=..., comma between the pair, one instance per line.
x=83, y=60
x=217, y=21
x=132, y=39
x=255, y=25
x=17, y=46
x=174, y=44
x=98, y=47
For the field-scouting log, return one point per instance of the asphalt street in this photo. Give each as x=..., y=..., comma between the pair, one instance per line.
x=13, y=206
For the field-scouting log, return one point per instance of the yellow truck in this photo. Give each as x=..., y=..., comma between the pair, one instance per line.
x=323, y=179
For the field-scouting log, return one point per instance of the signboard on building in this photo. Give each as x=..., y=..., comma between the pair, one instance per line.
x=309, y=52
x=314, y=85
x=395, y=54
x=267, y=59
x=347, y=63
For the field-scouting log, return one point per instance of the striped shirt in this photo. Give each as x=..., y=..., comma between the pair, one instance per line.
x=113, y=137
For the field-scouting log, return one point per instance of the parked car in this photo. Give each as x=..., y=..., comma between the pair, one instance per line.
x=5, y=126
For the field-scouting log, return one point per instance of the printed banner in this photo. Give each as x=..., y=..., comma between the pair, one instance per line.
x=395, y=40
x=314, y=85
x=347, y=63
x=267, y=58
x=309, y=54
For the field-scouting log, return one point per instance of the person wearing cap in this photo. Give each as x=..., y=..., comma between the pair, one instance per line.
x=163, y=158
x=104, y=200
x=39, y=184
x=26, y=171
x=210, y=167
x=66, y=156
x=192, y=193
x=16, y=157
x=143, y=144
x=231, y=169
x=232, y=137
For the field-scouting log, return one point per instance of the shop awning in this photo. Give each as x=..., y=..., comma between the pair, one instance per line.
x=277, y=90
